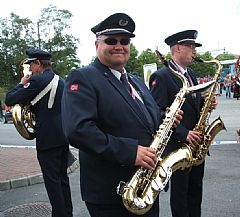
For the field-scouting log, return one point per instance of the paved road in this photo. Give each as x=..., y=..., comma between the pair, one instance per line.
x=221, y=182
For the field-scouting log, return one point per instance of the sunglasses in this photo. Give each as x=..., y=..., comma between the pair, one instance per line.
x=114, y=41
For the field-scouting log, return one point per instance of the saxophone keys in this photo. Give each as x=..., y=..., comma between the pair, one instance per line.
x=149, y=199
x=139, y=203
x=157, y=184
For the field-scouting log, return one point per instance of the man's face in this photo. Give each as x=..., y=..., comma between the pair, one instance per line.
x=187, y=53
x=35, y=66
x=113, y=51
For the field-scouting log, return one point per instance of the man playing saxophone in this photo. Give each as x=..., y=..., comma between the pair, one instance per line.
x=110, y=116
x=186, y=186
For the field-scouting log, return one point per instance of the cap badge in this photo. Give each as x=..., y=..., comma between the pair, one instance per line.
x=123, y=22
x=195, y=35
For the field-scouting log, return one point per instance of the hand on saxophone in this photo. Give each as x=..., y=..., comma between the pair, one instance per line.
x=178, y=118
x=25, y=79
x=214, y=103
x=194, y=138
x=146, y=157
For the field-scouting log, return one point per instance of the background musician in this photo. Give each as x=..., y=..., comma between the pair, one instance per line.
x=186, y=186
x=51, y=145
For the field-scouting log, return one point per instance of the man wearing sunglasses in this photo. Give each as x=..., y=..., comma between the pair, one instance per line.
x=186, y=185
x=110, y=119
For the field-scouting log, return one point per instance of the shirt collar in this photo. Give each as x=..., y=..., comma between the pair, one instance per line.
x=118, y=74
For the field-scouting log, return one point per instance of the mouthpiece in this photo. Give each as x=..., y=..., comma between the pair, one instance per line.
x=198, y=59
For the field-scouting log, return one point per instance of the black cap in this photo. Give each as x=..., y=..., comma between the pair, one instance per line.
x=118, y=23
x=187, y=36
x=37, y=54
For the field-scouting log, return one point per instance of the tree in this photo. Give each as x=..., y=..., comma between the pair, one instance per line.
x=204, y=69
x=225, y=56
x=15, y=34
x=146, y=57
x=49, y=33
x=132, y=61
x=53, y=31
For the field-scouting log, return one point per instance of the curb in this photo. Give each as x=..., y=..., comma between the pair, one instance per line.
x=31, y=180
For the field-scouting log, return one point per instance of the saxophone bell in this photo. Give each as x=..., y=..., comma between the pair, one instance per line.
x=201, y=87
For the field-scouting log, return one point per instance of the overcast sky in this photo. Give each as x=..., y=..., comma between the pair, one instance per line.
x=217, y=22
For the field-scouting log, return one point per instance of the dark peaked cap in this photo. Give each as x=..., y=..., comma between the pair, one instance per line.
x=37, y=54
x=118, y=23
x=187, y=36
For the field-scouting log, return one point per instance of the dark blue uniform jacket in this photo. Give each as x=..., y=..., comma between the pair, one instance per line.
x=101, y=119
x=49, y=133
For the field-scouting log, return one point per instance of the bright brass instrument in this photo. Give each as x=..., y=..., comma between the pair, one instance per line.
x=140, y=192
x=186, y=157
x=23, y=118
x=208, y=131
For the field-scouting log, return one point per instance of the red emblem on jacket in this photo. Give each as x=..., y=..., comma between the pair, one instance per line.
x=74, y=87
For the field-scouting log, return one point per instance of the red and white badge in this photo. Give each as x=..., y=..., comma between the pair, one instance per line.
x=26, y=85
x=74, y=87
x=154, y=83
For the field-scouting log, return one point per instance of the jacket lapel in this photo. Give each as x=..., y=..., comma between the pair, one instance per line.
x=123, y=92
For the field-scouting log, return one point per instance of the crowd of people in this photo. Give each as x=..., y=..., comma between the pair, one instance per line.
x=110, y=115
x=228, y=84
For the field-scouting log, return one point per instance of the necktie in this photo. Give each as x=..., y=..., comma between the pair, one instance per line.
x=124, y=81
x=140, y=104
x=186, y=74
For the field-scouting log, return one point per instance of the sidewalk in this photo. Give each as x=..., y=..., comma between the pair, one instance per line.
x=19, y=167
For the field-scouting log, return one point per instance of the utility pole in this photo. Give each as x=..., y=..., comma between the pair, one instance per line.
x=39, y=39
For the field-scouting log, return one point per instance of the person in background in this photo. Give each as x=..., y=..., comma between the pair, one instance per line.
x=186, y=185
x=44, y=90
x=1, y=109
x=227, y=84
x=237, y=86
x=110, y=116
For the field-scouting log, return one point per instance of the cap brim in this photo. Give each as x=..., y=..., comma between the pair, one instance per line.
x=191, y=42
x=119, y=32
x=29, y=60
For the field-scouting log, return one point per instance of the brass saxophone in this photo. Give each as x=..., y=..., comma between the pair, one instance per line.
x=140, y=192
x=208, y=131
x=23, y=118
x=186, y=157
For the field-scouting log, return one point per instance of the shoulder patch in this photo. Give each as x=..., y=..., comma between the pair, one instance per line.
x=26, y=85
x=74, y=87
x=153, y=83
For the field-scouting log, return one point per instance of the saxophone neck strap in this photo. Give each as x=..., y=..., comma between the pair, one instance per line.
x=52, y=87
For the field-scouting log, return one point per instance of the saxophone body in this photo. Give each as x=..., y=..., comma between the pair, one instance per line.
x=186, y=157
x=141, y=191
x=208, y=131
x=23, y=117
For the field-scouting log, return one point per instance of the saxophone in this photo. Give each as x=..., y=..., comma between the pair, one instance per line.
x=208, y=131
x=140, y=192
x=186, y=157
x=23, y=118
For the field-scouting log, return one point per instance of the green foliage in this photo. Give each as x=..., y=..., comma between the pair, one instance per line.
x=146, y=57
x=225, y=56
x=203, y=69
x=49, y=33
x=132, y=61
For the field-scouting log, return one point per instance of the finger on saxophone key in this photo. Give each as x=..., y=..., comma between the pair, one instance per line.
x=146, y=157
